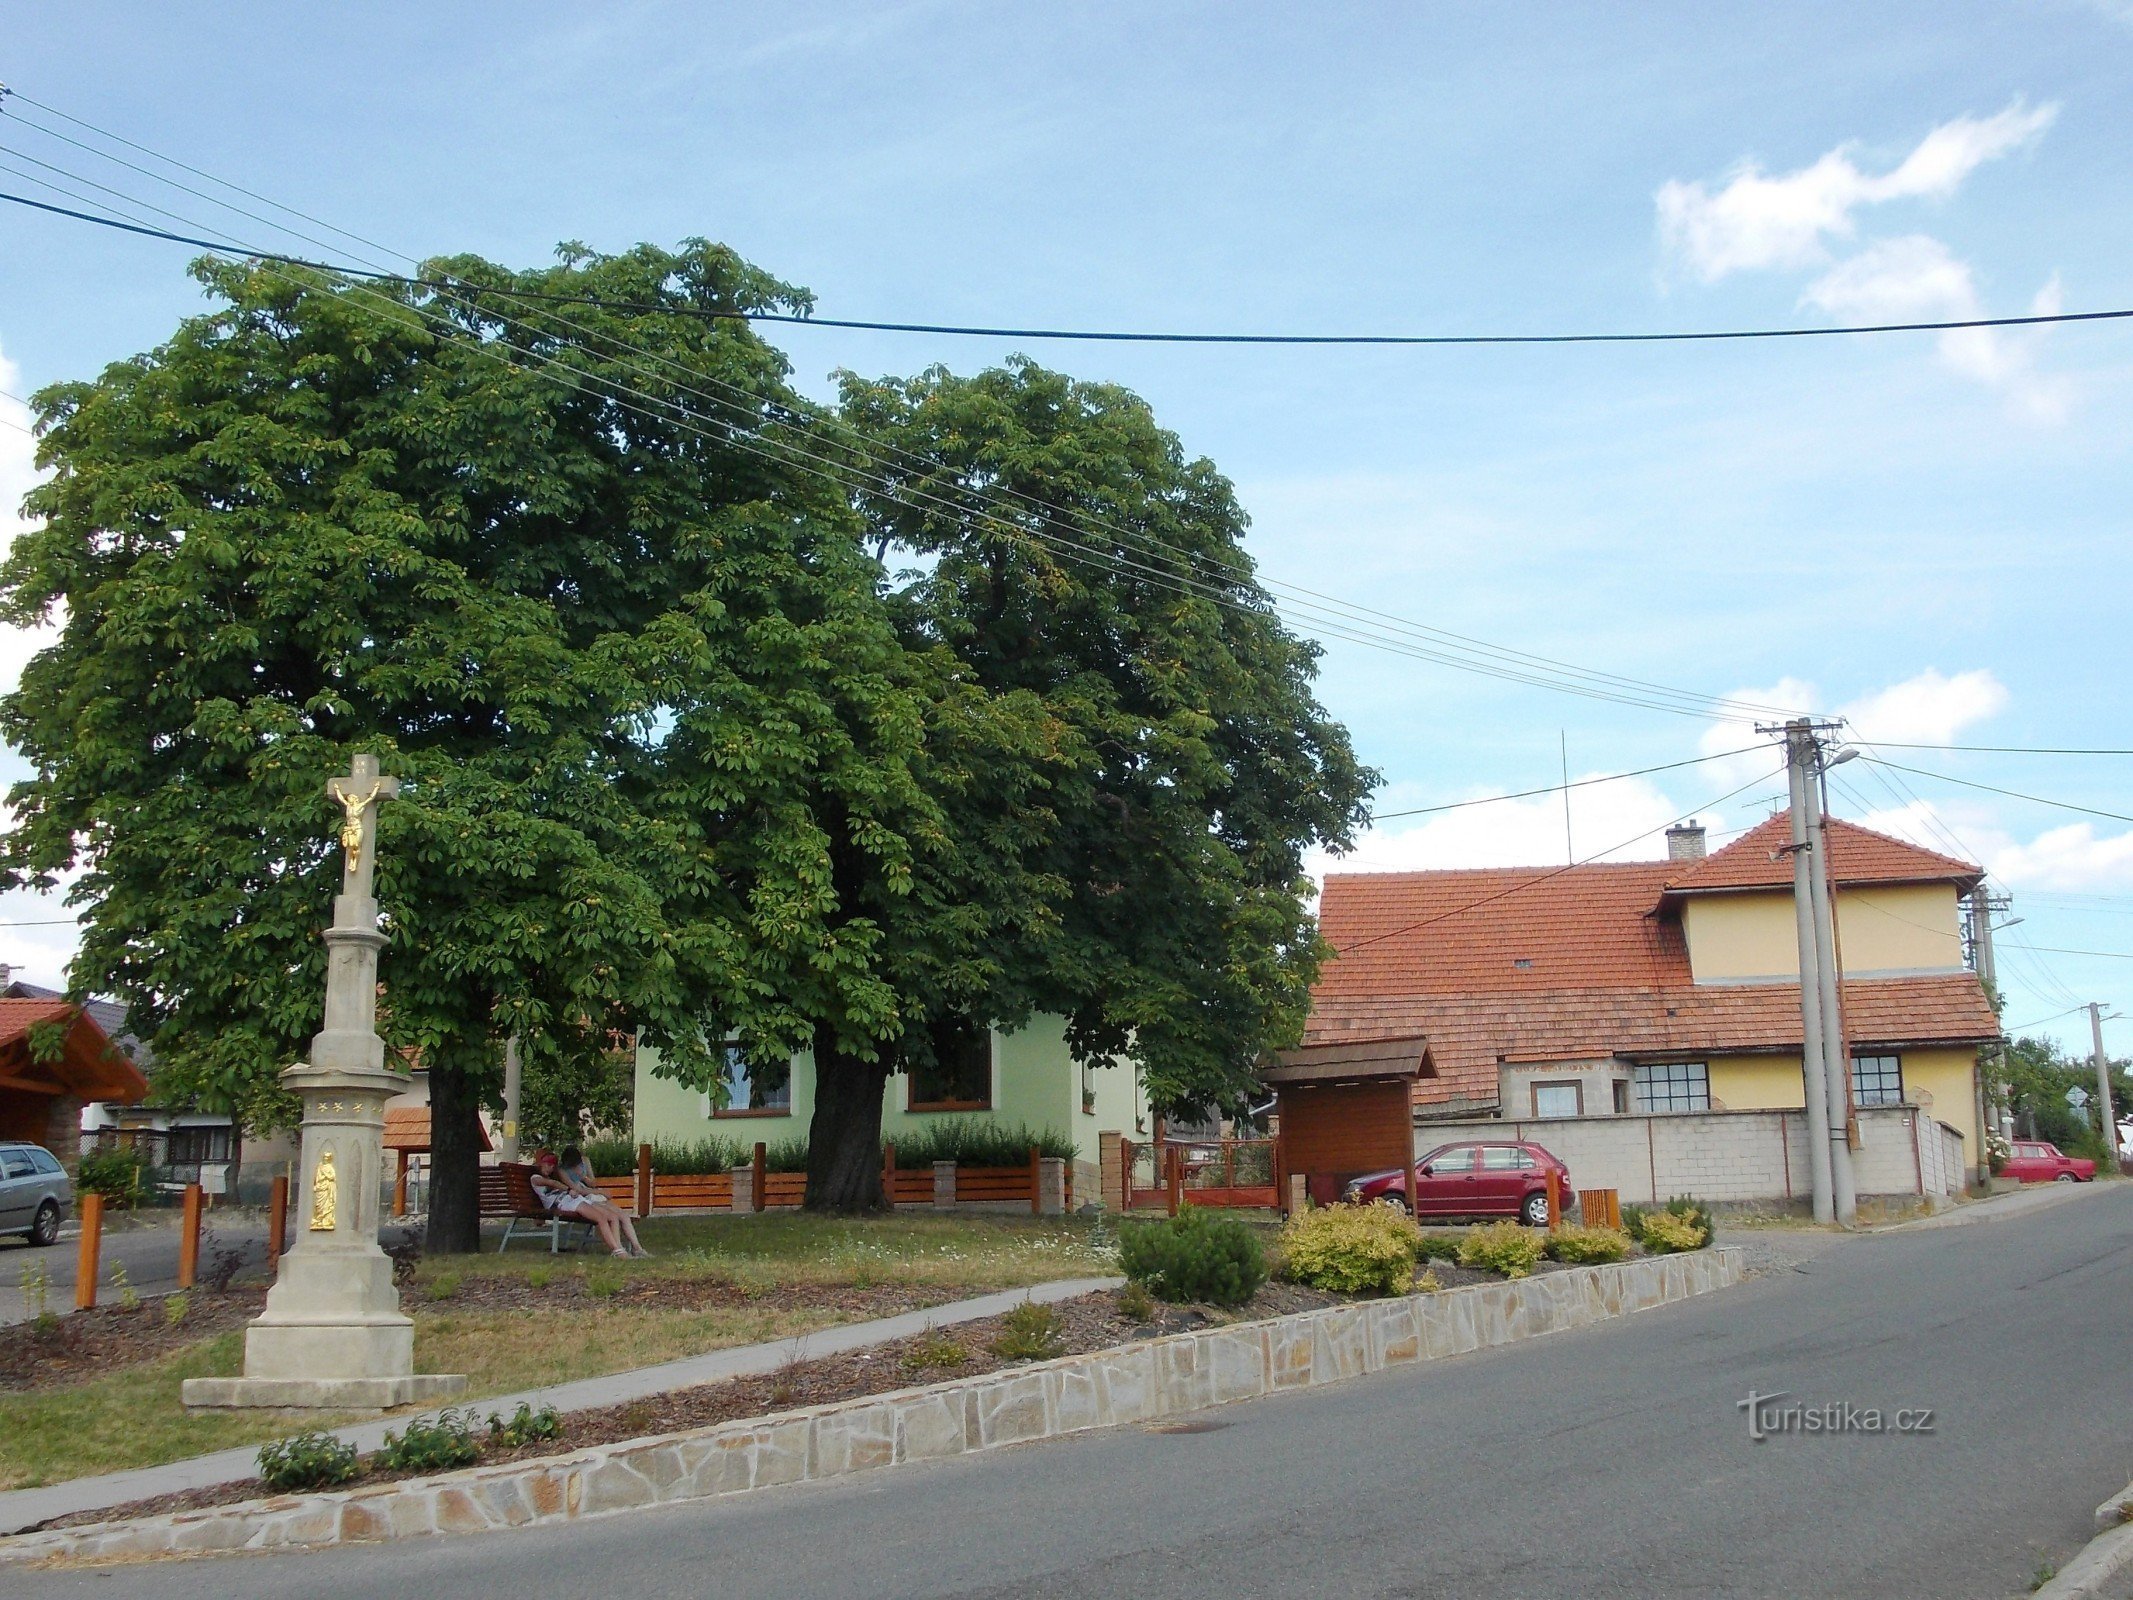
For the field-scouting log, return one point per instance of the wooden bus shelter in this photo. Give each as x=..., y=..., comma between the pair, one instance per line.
x=407, y=1133
x=1347, y=1108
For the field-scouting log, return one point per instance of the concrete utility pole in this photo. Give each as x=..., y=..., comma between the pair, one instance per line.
x=507, y=1145
x=1836, y=1049
x=2103, y=1086
x=1799, y=744
x=1982, y=905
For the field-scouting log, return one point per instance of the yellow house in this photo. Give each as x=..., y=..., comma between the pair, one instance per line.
x=1661, y=987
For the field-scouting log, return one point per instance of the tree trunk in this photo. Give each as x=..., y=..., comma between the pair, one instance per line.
x=455, y=1164
x=844, y=1139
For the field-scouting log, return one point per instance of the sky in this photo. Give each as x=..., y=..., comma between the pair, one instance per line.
x=1923, y=533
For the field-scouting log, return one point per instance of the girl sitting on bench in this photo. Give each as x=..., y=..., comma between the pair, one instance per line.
x=566, y=1198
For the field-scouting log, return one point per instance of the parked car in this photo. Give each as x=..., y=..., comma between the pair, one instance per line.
x=1473, y=1180
x=35, y=1192
x=2038, y=1161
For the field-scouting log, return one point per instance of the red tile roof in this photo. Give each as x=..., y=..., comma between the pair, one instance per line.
x=1860, y=855
x=89, y=1067
x=1534, y=964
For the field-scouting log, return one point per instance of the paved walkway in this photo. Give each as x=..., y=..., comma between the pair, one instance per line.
x=25, y=1508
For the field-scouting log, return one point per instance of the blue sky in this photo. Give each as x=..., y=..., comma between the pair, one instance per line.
x=1926, y=533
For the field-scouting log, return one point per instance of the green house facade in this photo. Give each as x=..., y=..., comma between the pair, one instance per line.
x=1026, y=1078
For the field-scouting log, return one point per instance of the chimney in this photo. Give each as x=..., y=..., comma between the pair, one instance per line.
x=1684, y=842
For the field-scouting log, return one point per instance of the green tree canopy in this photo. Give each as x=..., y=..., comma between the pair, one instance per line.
x=1072, y=552
x=659, y=745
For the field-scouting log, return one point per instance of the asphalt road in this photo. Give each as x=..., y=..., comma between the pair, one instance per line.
x=148, y=1247
x=1614, y=1461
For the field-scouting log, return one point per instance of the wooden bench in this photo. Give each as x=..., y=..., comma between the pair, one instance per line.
x=507, y=1192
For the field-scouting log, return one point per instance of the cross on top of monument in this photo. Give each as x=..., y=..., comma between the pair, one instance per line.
x=358, y=795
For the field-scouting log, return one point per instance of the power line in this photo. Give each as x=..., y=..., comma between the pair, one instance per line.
x=2012, y=794
x=2054, y=1017
x=1553, y=872
x=2060, y=950
x=1558, y=788
x=1696, y=704
x=1114, y=336
x=1997, y=749
x=1508, y=664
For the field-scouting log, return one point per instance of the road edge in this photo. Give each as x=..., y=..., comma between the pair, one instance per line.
x=1136, y=1383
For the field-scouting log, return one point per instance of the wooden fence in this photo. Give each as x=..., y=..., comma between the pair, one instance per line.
x=647, y=1191
x=1238, y=1173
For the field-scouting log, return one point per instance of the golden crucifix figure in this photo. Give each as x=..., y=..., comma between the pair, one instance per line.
x=353, y=806
x=325, y=1194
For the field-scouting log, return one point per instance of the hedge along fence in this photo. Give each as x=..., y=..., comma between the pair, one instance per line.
x=992, y=1165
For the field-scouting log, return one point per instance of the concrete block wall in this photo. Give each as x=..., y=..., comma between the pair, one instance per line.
x=1732, y=1156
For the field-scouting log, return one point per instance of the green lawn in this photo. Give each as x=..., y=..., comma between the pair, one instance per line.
x=133, y=1418
x=973, y=1253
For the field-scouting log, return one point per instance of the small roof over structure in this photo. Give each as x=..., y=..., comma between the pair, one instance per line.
x=42, y=1091
x=407, y=1128
x=1353, y=1061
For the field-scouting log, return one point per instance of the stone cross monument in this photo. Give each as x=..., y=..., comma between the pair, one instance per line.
x=332, y=1334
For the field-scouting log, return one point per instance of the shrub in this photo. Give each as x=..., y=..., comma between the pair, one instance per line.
x=1666, y=1233
x=1502, y=1247
x=1194, y=1256
x=175, y=1305
x=978, y=1144
x=1136, y=1304
x=1442, y=1245
x=933, y=1352
x=307, y=1461
x=1429, y=1282
x=1030, y=1332
x=1582, y=1247
x=431, y=1446
x=114, y=1174
x=526, y=1426
x=1351, y=1249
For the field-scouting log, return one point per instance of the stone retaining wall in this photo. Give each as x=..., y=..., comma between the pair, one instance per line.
x=1135, y=1383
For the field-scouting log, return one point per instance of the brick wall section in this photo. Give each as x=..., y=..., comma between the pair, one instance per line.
x=1111, y=1170
x=62, y=1130
x=1719, y=1155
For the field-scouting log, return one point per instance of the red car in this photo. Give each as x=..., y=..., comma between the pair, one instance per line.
x=2035, y=1161
x=1473, y=1180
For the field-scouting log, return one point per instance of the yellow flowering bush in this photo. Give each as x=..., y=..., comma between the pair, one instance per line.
x=1503, y=1247
x=1351, y=1249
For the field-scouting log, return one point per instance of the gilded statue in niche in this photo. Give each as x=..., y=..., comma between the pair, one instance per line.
x=325, y=1194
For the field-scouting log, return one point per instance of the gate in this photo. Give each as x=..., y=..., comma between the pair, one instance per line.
x=1238, y=1173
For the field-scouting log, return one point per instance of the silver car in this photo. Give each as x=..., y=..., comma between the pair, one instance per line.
x=35, y=1192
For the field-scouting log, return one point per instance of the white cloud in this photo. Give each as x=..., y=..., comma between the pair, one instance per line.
x=1755, y=220
x=1928, y=708
x=2071, y=859
x=1916, y=279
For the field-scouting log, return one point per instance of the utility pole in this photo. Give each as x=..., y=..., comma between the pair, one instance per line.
x=1570, y=849
x=2103, y=1086
x=1983, y=904
x=1799, y=757
x=507, y=1145
x=1829, y=974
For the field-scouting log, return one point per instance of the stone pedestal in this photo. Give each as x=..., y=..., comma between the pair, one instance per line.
x=332, y=1335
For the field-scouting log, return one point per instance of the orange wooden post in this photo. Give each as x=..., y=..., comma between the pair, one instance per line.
x=189, y=1237
x=1414, y=1200
x=92, y=1244
x=277, y=1221
x=1555, y=1200
x=400, y=1183
x=1176, y=1177
x=645, y=1195
x=762, y=1171
x=888, y=1175
x=1036, y=1183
